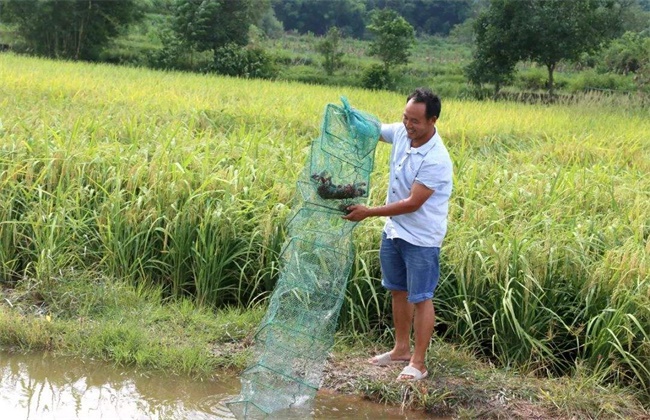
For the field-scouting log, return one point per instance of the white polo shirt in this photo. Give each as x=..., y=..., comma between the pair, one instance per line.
x=429, y=165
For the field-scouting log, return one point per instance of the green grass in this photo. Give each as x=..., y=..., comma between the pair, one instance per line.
x=182, y=183
x=90, y=317
x=436, y=62
x=461, y=386
x=78, y=314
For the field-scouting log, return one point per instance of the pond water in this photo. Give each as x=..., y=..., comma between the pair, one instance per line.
x=41, y=386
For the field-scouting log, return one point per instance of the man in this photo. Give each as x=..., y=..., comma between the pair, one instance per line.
x=416, y=209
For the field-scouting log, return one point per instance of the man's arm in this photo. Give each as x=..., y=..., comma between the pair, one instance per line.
x=387, y=132
x=419, y=194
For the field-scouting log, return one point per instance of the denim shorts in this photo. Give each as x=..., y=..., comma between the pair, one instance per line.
x=411, y=268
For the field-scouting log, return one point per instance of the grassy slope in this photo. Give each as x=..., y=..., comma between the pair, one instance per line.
x=435, y=61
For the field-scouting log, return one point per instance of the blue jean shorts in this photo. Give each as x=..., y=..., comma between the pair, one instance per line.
x=410, y=268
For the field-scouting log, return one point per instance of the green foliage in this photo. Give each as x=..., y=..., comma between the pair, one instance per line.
x=176, y=53
x=532, y=79
x=627, y=54
x=591, y=80
x=90, y=316
x=463, y=33
x=635, y=15
x=392, y=38
x=642, y=80
x=253, y=62
x=494, y=60
x=312, y=75
x=71, y=29
x=212, y=24
x=222, y=27
x=330, y=48
x=136, y=47
x=157, y=6
x=317, y=16
x=449, y=86
x=377, y=77
x=545, y=32
x=433, y=17
x=558, y=30
x=270, y=25
x=173, y=54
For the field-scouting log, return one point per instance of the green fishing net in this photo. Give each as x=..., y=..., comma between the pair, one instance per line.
x=293, y=339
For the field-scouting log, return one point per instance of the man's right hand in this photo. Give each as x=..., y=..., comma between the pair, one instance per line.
x=357, y=213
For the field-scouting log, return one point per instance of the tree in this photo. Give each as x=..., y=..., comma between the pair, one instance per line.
x=72, y=29
x=317, y=16
x=644, y=4
x=562, y=30
x=222, y=26
x=351, y=16
x=627, y=54
x=156, y=6
x=546, y=32
x=329, y=47
x=393, y=38
x=636, y=15
x=428, y=16
x=233, y=60
x=271, y=25
x=494, y=58
x=208, y=25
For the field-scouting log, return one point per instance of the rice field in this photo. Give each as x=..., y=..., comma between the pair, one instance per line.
x=185, y=181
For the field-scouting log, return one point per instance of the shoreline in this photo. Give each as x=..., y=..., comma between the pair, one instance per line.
x=137, y=328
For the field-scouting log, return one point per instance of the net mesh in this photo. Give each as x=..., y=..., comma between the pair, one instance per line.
x=293, y=339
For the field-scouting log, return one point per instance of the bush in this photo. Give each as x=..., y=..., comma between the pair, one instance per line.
x=330, y=48
x=376, y=77
x=642, y=81
x=532, y=79
x=175, y=54
x=270, y=25
x=253, y=62
x=627, y=54
x=129, y=53
x=590, y=80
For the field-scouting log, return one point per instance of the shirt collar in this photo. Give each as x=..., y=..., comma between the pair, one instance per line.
x=426, y=147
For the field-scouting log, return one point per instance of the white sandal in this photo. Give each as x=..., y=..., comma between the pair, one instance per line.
x=385, y=360
x=415, y=375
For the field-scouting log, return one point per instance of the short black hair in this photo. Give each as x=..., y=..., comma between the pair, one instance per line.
x=430, y=99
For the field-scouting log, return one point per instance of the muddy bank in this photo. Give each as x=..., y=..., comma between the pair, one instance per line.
x=459, y=386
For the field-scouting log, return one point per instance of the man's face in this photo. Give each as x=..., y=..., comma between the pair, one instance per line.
x=418, y=128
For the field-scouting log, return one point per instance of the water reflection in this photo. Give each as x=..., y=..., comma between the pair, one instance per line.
x=40, y=386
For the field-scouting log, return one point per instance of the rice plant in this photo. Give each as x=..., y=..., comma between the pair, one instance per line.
x=185, y=181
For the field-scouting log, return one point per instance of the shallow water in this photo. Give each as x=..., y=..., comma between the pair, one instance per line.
x=41, y=386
